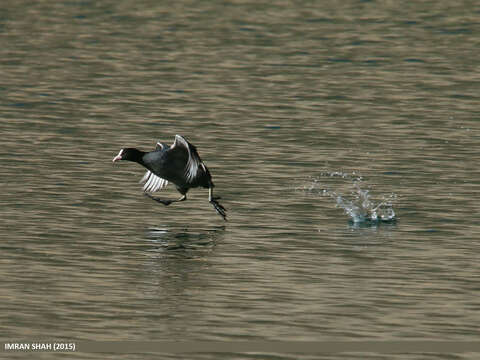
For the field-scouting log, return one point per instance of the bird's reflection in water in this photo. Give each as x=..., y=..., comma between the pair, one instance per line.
x=176, y=241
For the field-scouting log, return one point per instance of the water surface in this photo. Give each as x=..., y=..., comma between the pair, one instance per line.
x=274, y=96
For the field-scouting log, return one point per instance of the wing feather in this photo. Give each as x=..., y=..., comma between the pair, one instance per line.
x=145, y=177
x=153, y=182
x=193, y=162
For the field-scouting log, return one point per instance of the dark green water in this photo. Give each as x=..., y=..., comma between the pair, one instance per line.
x=277, y=96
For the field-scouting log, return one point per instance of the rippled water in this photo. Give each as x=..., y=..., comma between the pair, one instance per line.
x=275, y=96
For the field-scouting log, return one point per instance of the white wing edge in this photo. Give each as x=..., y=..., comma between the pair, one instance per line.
x=193, y=160
x=153, y=182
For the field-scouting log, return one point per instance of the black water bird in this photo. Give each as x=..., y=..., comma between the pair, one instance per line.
x=179, y=164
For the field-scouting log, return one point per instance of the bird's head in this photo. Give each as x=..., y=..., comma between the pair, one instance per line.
x=130, y=154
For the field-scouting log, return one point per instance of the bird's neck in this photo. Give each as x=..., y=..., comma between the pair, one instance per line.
x=137, y=156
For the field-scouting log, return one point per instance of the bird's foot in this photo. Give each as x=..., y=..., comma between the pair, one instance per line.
x=219, y=208
x=162, y=201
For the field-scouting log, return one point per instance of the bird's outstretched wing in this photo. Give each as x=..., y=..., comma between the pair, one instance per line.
x=193, y=162
x=153, y=182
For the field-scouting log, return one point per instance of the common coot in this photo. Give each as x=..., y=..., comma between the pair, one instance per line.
x=179, y=164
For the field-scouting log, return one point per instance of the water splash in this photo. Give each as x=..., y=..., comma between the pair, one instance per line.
x=359, y=205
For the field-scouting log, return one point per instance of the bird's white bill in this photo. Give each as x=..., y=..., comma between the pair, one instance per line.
x=118, y=157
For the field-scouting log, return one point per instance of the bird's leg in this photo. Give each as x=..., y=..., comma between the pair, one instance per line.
x=216, y=205
x=166, y=202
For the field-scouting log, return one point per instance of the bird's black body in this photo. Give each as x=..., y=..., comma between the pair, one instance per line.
x=179, y=164
x=170, y=165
